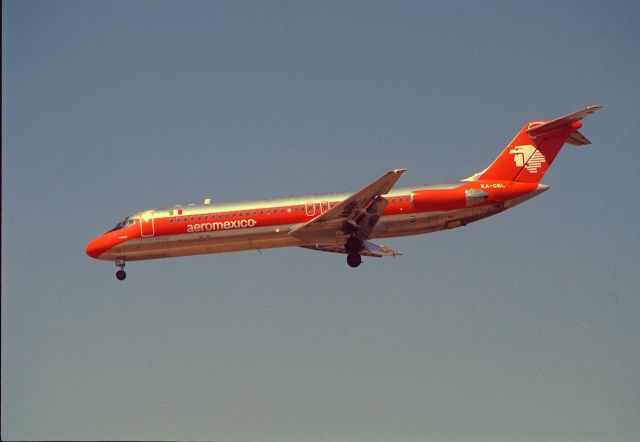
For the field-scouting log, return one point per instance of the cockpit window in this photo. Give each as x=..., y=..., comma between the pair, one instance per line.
x=124, y=223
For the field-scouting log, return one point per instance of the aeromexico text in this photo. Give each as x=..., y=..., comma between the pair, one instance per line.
x=221, y=225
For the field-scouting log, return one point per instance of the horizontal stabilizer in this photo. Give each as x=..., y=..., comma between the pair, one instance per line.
x=558, y=123
x=577, y=139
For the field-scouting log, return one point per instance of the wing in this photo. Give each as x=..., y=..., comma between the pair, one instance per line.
x=368, y=249
x=356, y=215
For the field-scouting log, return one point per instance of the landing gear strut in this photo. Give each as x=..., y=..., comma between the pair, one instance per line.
x=353, y=246
x=120, y=274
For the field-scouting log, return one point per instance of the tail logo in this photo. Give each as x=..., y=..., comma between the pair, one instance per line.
x=529, y=157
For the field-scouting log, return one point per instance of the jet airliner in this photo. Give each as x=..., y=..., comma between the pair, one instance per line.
x=345, y=223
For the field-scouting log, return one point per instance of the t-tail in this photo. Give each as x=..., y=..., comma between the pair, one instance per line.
x=531, y=152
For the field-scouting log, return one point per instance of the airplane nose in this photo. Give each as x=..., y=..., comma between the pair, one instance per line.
x=95, y=248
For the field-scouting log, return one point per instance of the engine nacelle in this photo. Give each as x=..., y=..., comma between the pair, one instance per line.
x=448, y=199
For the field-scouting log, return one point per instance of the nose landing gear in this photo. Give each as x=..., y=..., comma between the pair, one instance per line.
x=120, y=274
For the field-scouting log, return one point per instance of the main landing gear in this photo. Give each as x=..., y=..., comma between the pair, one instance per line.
x=353, y=246
x=354, y=259
x=120, y=274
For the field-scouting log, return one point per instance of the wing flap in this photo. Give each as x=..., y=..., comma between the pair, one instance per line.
x=369, y=249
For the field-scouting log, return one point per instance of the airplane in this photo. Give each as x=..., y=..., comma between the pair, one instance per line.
x=344, y=223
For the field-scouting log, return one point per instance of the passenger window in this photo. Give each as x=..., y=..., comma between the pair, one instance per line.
x=281, y=210
x=171, y=220
x=268, y=211
x=262, y=212
x=393, y=200
x=177, y=220
x=206, y=217
x=255, y=212
x=219, y=215
x=226, y=215
x=200, y=218
x=247, y=213
x=233, y=215
x=289, y=209
x=295, y=209
x=185, y=219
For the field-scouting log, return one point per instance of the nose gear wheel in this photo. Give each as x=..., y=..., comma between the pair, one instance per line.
x=120, y=274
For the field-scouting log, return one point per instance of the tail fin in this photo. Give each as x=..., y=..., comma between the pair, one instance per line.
x=532, y=151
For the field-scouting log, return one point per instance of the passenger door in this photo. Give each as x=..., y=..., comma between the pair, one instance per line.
x=147, y=227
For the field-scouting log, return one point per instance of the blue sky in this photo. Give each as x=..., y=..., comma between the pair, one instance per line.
x=521, y=327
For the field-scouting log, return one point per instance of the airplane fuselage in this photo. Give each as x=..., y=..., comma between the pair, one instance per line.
x=215, y=228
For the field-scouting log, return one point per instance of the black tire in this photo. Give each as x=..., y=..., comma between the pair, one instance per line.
x=354, y=259
x=121, y=274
